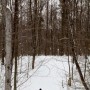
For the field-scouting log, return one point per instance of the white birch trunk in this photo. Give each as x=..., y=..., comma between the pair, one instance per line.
x=8, y=48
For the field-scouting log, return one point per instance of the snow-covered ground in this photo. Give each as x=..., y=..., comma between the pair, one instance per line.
x=50, y=73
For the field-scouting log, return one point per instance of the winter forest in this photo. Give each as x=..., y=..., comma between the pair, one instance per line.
x=44, y=45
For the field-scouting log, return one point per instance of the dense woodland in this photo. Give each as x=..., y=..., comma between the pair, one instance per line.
x=43, y=27
x=46, y=26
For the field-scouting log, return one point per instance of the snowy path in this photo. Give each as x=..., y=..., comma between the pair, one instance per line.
x=50, y=73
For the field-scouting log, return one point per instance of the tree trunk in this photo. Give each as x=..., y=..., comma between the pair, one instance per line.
x=77, y=64
x=15, y=42
x=8, y=44
x=3, y=32
x=46, y=29
x=34, y=33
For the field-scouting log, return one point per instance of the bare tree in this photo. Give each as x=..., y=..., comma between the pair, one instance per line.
x=34, y=32
x=15, y=40
x=3, y=31
x=8, y=43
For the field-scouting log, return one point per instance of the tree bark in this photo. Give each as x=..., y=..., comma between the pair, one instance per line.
x=3, y=32
x=8, y=45
x=16, y=42
x=77, y=64
x=34, y=33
